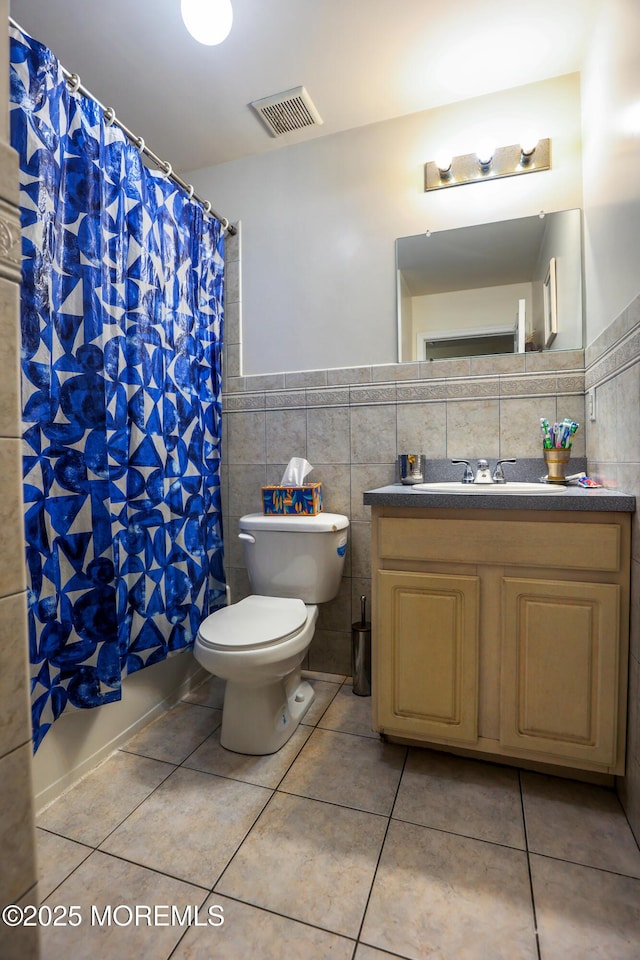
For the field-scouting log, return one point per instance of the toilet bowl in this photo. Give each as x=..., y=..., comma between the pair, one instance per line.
x=258, y=644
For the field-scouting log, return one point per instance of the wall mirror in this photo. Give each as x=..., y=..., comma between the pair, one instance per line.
x=494, y=288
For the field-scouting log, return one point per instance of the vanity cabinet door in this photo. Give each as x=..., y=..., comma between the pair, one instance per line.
x=427, y=655
x=559, y=685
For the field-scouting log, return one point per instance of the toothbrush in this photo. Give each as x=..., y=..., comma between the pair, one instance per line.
x=573, y=428
x=547, y=442
x=568, y=433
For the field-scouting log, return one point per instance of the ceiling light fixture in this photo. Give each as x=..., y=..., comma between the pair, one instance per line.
x=208, y=21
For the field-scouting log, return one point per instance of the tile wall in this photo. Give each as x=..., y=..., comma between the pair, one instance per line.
x=613, y=450
x=352, y=423
x=17, y=838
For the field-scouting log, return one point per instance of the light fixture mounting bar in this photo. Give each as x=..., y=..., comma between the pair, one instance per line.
x=506, y=162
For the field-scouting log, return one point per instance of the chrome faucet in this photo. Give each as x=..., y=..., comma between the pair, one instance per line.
x=483, y=474
x=498, y=473
x=468, y=472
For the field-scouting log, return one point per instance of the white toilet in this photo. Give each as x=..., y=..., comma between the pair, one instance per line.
x=258, y=644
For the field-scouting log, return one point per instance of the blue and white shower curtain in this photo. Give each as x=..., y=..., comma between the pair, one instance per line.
x=122, y=322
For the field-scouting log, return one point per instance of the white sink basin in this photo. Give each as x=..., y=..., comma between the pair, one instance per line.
x=491, y=488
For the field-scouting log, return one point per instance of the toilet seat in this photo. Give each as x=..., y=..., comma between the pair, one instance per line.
x=253, y=623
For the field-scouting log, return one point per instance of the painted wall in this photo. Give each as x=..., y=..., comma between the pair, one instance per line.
x=562, y=241
x=320, y=219
x=611, y=132
x=463, y=311
x=611, y=98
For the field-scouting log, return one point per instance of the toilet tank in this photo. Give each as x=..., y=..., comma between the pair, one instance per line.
x=299, y=557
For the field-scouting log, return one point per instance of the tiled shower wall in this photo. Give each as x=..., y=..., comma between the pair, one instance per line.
x=352, y=423
x=17, y=837
x=613, y=450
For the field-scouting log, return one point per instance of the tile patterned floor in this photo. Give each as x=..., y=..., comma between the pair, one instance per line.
x=339, y=846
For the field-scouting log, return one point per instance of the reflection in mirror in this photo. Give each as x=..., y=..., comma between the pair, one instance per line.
x=494, y=288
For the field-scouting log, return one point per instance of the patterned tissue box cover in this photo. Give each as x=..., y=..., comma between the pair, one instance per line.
x=305, y=500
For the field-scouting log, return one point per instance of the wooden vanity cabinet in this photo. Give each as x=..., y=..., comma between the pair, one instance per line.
x=503, y=632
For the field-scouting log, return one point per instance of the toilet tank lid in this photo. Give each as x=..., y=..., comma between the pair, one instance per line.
x=321, y=523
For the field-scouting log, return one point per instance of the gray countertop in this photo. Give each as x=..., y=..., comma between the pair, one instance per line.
x=571, y=498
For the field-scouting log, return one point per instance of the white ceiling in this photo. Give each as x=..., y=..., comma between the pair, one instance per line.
x=361, y=61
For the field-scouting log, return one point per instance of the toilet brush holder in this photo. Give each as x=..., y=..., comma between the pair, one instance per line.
x=361, y=654
x=557, y=460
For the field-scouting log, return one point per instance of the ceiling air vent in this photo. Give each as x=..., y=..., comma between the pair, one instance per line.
x=284, y=112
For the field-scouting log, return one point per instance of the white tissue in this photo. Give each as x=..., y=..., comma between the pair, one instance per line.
x=297, y=470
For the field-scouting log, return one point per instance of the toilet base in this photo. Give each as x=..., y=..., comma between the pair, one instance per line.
x=260, y=720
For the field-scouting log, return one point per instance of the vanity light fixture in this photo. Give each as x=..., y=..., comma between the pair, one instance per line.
x=488, y=164
x=208, y=21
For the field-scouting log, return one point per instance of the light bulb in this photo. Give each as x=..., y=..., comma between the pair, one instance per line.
x=528, y=146
x=208, y=21
x=443, y=163
x=484, y=153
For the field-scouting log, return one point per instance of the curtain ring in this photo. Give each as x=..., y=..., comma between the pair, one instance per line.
x=190, y=192
x=109, y=116
x=207, y=206
x=140, y=145
x=225, y=224
x=74, y=83
x=168, y=169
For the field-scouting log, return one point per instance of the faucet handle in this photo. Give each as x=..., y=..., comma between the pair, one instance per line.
x=468, y=472
x=498, y=473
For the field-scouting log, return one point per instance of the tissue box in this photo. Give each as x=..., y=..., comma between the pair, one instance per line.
x=295, y=501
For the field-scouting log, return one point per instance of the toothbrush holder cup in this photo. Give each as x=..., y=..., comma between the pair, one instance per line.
x=557, y=460
x=411, y=467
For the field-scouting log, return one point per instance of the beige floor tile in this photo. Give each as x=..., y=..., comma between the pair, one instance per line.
x=352, y=771
x=90, y=810
x=190, y=827
x=318, y=675
x=252, y=934
x=441, y=895
x=469, y=797
x=309, y=861
x=265, y=771
x=349, y=713
x=578, y=822
x=585, y=914
x=208, y=694
x=371, y=953
x=324, y=694
x=103, y=881
x=57, y=858
x=176, y=734
x=22, y=943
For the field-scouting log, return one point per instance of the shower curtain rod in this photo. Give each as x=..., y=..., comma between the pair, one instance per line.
x=138, y=142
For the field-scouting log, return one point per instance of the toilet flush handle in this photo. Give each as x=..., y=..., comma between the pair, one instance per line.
x=247, y=537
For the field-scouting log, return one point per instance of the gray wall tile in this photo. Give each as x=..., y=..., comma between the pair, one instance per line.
x=473, y=428
x=286, y=435
x=373, y=434
x=422, y=428
x=328, y=435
